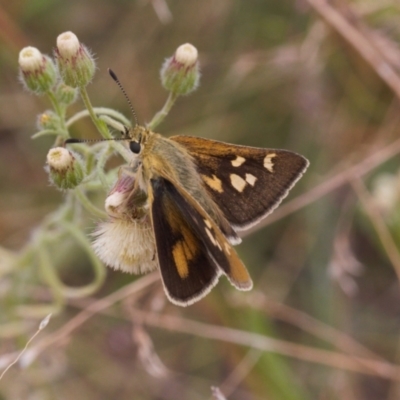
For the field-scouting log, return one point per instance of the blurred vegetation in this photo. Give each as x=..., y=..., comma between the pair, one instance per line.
x=319, y=78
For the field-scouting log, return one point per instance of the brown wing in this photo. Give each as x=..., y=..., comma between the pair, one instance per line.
x=192, y=252
x=247, y=183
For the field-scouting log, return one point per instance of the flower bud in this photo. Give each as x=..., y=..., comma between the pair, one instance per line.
x=37, y=71
x=65, y=169
x=75, y=63
x=48, y=120
x=180, y=73
x=66, y=94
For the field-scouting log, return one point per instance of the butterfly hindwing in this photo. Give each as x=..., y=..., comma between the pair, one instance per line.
x=218, y=248
x=247, y=183
x=191, y=250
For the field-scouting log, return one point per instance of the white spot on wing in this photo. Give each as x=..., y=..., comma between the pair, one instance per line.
x=268, y=164
x=251, y=179
x=238, y=161
x=238, y=182
x=212, y=238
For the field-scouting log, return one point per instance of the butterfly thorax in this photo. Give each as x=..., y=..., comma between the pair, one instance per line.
x=164, y=158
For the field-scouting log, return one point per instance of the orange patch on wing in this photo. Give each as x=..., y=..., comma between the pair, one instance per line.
x=186, y=248
x=214, y=183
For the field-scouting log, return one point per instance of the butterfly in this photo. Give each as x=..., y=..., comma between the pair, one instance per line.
x=179, y=204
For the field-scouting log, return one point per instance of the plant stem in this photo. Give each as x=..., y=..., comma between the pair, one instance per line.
x=60, y=111
x=159, y=117
x=99, y=111
x=100, y=125
x=80, y=195
x=98, y=268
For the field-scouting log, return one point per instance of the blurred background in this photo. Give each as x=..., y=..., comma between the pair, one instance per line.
x=323, y=320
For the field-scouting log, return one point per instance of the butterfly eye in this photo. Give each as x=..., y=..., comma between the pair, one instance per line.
x=135, y=147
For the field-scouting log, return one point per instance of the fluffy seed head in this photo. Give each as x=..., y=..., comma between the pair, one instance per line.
x=126, y=245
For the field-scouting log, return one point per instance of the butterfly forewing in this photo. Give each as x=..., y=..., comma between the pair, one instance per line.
x=247, y=183
x=192, y=252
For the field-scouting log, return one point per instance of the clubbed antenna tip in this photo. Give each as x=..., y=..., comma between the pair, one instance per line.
x=112, y=74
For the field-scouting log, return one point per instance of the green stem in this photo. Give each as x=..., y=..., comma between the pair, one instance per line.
x=99, y=111
x=60, y=290
x=159, y=117
x=88, y=205
x=112, y=122
x=100, y=166
x=100, y=125
x=60, y=111
x=98, y=268
x=123, y=151
x=47, y=269
x=46, y=132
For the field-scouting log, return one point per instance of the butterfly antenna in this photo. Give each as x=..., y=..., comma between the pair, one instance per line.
x=73, y=140
x=112, y=74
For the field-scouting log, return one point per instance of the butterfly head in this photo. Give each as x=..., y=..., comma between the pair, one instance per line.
x=137, y=137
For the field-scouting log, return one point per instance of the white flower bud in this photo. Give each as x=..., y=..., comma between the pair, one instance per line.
x=186, y=54
x=68, y=45
x=180, y=73
x=30, y=59
x=65, y=168
x=74, y=60
x=37, y=71
x=59, y=158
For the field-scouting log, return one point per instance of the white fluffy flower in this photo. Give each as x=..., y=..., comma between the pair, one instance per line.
x=126, y=245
